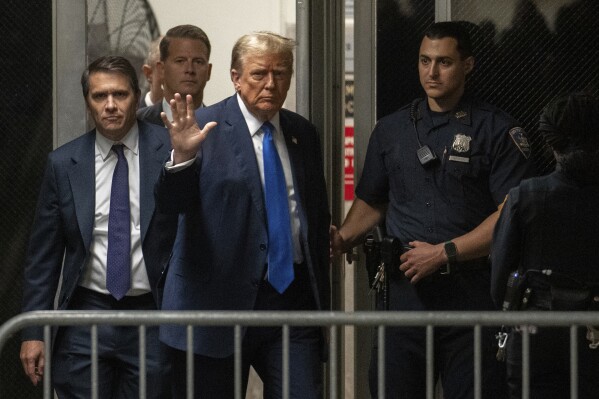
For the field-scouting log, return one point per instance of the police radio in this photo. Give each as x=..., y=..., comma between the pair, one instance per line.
x=425, y=154
x=513, y=291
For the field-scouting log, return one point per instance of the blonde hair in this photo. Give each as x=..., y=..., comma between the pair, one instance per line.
x=262, y=43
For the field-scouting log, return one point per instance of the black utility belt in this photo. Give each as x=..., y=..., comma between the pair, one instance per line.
x=550, y=290
x=468, y=266
x=386, y=250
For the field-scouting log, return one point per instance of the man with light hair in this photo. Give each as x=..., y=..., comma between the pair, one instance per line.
x=149, y=70
x=254, y=235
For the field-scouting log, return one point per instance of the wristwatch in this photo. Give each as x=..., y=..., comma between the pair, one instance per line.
x=452, y=256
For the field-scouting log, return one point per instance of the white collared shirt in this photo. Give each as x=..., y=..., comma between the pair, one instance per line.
x=166, y=108
x=255, y=128
x=94, y=276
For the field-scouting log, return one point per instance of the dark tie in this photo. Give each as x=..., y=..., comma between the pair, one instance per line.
x=280, y=246
x=118, y=264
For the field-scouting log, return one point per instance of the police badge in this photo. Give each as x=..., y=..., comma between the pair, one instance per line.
x=460, y=149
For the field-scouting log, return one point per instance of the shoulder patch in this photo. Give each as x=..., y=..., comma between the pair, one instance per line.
x=519, y=138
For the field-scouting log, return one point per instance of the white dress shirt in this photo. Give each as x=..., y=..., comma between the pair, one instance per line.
x=255, y=128
x=94, y=276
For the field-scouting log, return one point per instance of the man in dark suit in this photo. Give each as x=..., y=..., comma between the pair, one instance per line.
x=232, y=252
x=109, y=171
x=183, y=68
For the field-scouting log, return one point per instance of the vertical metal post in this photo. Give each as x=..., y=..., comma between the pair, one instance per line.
x=333, y=366
x=47, y=362
x=302, y=59
x=573, y=362
x=430, y=362
x=525, y=362
x=189, y=358
x=477, y=362
x=381, y=362
x=442, y=10
x=94, y=376
x=237, y=335
x=142, y=362
x=285, y=361
x=69, y=61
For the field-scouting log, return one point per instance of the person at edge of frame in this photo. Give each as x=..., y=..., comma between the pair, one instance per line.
x=150, y=72
x=436, y=171
x=74, y=235
x=547, y=239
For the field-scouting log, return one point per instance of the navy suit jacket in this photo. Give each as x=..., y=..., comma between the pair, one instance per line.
x=220, y=253
x=151, y=114
x=64, y=218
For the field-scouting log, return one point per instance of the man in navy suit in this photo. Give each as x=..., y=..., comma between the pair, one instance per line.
x=72, y=234
x=223, y=254
x=183, y=68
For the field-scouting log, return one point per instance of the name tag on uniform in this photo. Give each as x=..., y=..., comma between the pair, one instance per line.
x=460, y=149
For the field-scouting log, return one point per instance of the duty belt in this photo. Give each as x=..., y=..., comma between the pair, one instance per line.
x=465, y=267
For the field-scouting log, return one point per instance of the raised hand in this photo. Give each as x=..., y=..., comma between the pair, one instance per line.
x=186, y=135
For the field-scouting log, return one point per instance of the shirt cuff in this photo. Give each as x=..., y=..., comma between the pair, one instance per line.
x=170, y=168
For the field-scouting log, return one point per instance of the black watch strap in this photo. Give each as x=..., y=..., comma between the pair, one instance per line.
x=452, y=253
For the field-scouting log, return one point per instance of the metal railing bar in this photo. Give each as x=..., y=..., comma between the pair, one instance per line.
x=477, y=362
x=285, y=361
x=142, y=362
x=573, y=362
x=94, y=358
x=381, y=362
x=430, y=372
x=237, y=335
x=525, y=361
x=298, y=318
x=238, y=319
x=333, y=362
x=189, y=360
x=47, y=363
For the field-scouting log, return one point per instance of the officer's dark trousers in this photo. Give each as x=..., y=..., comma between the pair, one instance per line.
x=118, y=353
x=550, y=364
x=405, y=347
x=262, y=348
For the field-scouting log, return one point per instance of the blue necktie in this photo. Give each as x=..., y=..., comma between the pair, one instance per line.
x=280, y=246
x=118, y=264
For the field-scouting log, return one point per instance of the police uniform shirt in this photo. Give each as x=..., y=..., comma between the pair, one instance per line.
x=548, y=222
x=481, y=155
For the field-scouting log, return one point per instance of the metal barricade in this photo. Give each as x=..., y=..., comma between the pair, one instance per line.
x=332, y=320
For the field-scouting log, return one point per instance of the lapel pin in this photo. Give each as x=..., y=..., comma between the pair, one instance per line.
x=294, y=139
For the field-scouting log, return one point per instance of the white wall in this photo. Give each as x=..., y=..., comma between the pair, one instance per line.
x=224, y=21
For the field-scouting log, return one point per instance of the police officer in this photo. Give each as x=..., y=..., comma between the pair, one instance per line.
x=548, y=231
x=436, y=171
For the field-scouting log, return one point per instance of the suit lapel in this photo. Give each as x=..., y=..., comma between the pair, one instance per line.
x=151, y=161
x=294, y=148
x=238, y=136
x=82, y=178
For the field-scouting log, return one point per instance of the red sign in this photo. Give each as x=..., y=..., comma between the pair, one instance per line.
x=349, y=163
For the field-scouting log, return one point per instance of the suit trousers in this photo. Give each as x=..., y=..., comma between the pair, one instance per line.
x=262, y=348
x=118, y=353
